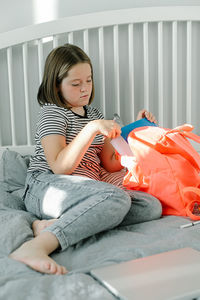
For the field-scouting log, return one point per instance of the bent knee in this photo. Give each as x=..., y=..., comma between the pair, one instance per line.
x=148, y=204
x=121, y=203
x=122, y=196
x=156, y=208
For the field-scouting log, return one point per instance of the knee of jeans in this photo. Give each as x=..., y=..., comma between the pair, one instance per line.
x=120, y=201
x=151, y=205
x=155, y=208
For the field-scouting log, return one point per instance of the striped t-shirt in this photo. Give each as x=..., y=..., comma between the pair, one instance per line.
x=58, y=120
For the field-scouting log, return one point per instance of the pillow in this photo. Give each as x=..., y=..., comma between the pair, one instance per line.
x=13, y=170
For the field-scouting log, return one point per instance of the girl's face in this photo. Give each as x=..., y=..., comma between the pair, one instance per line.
x=76, y=88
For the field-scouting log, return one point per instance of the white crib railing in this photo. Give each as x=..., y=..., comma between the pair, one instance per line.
x=143, y=57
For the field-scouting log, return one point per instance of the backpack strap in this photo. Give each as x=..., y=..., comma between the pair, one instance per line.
x=169, y=141
x=186, y=130
x=178, y=135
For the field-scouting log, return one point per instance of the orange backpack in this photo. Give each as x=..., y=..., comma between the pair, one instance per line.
x=166, y=165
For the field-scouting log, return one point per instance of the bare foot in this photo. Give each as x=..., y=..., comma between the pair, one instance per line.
x=39, y=225
x=33, y=254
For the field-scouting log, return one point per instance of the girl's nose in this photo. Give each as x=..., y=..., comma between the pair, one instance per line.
x=83, y=87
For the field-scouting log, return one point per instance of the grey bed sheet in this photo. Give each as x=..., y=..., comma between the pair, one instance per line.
x=18, y=281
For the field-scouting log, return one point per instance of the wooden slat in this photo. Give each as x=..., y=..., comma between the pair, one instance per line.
x=160, y=75
x=116, y=68
x=11, y=93
x=131, y=68
x=40, y=59
x=102, y=69
x=189, y=74
x=174, y=76
x=26, y=94
x=70, y=38
x=146, y=65
x=55, y=41
x=86, y=41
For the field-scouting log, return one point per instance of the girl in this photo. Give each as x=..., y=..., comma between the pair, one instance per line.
x=64, y=187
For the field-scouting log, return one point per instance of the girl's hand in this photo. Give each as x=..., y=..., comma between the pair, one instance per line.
x=108, y=128
x=145, y=114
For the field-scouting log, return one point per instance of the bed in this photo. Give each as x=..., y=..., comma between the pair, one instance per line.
x=142, y=57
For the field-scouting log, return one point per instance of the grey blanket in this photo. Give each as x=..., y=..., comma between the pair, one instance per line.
x=18, y=281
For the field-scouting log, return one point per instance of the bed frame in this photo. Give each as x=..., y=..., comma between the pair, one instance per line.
x=142, y=57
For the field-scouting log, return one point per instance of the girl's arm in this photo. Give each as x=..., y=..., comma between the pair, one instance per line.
x=62, y=158
x=108, y=158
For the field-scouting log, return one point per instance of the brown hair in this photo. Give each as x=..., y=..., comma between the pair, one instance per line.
x=58, y=63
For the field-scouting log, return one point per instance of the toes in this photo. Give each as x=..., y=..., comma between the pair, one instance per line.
x=53, y=268
x=49, y=267
x=63, y=270
x=59, y=270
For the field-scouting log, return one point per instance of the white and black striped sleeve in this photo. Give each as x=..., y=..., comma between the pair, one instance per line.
x=52, y=120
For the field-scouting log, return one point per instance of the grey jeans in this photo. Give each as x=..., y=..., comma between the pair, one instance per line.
x=84, y=206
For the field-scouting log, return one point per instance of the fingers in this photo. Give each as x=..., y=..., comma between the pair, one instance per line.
x=109, y=128
x=146, y=114
x=141, y=114
x=115, y=130
x=150, y=117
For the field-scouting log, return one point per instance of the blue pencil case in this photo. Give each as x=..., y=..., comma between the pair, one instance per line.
x=139, y=123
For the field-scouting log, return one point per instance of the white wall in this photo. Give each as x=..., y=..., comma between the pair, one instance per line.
x=20, y=13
